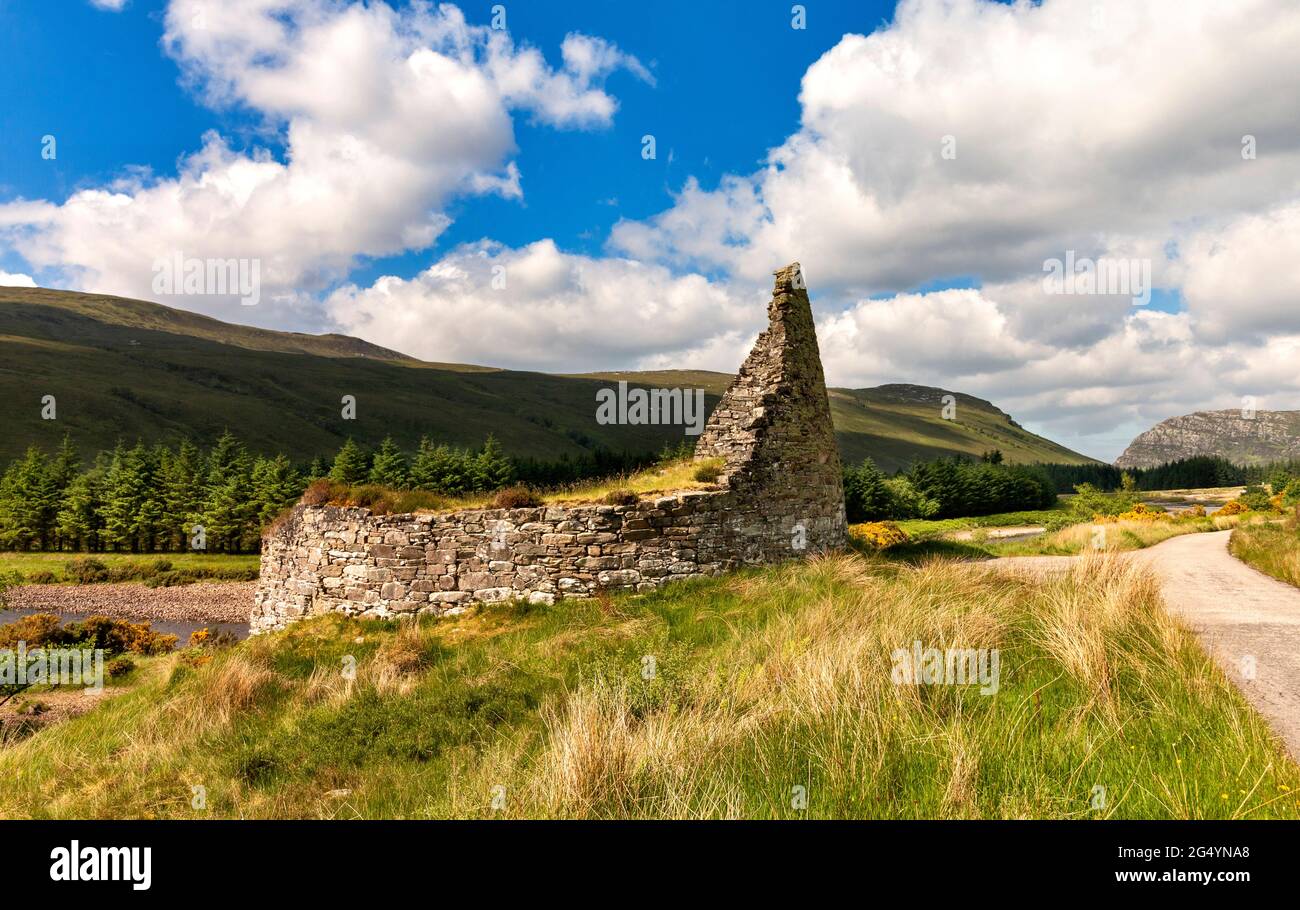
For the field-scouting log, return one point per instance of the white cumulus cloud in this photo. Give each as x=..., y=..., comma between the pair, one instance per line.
x=539, y=308
x=384, y=115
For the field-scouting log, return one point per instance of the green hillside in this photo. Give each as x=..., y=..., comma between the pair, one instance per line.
x=124, y=369
x=143, y=370
x=898, y=424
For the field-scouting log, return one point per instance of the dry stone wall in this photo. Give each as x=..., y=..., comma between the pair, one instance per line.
x=779, y=497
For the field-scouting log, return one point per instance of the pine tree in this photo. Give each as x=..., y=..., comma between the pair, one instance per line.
x=64, y=468
x=78, y=521
x=117, y=503
x=866, y=498
x=422, y=466
x=131, y=506
x=441, y=469
x=319, y=468
x=229, y=515
x=389, y=466
x=276, y=486
x=351, y=465
x=184, y=489
x=493, y=469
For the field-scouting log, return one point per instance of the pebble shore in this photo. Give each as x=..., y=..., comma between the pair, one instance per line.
x=224, y=602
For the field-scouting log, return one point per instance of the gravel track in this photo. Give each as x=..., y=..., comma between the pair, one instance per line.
x=1247, y=621
x=224, y=602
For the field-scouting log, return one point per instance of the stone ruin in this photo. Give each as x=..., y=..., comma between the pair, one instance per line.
x=779, y=497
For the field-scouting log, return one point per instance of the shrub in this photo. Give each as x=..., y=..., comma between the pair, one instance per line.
x=621, y=498
x=319, y=492
x=878, y=535
x=208, y=638
x=905, y=501
x=1255, y=498
x=119, y=666
x=1291, y=493
x=41, y=577
x=516, y=497
x=1143, y=512
x=8, y=580
x=38, y=630
x=1090, y=502
x=86, y=571
x=707, y=472
x=117, y=636
x=1236, y=507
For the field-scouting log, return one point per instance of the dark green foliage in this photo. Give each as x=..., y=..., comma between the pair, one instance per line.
x=119, y=666
x=1188, y=473
x=947, y=488
x=492, y=468
x=86, y=571
x=1256, y=497
x=351, y=464
x=144, y=499
x=114, y=636
x=597, y=463
x=389, y=466
x=865, y=495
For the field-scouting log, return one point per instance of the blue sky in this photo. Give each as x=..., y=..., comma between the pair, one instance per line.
x=727, y=81
x=410, y=175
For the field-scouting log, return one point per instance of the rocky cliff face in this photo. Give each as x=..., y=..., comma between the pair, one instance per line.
x=1266, y=436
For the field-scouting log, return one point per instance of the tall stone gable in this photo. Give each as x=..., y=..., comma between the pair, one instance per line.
x=773, y=429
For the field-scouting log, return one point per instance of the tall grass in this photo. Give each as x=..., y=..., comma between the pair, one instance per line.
x=1273, y=549
x=1112, y=536
x=767, y=694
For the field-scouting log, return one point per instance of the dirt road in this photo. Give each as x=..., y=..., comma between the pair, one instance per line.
x=1248, y=622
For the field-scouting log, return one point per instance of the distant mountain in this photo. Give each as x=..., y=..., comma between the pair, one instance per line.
x=127, y=369
x=1265, y=436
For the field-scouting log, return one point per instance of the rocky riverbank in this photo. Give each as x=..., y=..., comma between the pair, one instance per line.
x=218, y=602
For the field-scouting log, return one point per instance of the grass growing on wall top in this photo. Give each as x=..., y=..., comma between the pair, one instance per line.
x=674, y=476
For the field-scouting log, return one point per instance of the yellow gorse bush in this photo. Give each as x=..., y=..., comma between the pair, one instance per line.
x=879, y=535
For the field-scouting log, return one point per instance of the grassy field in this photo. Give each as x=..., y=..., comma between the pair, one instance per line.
x=1274, y=549
x=29, y=564
x=765, y=694
x=1068, y=541
x=924, y=528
